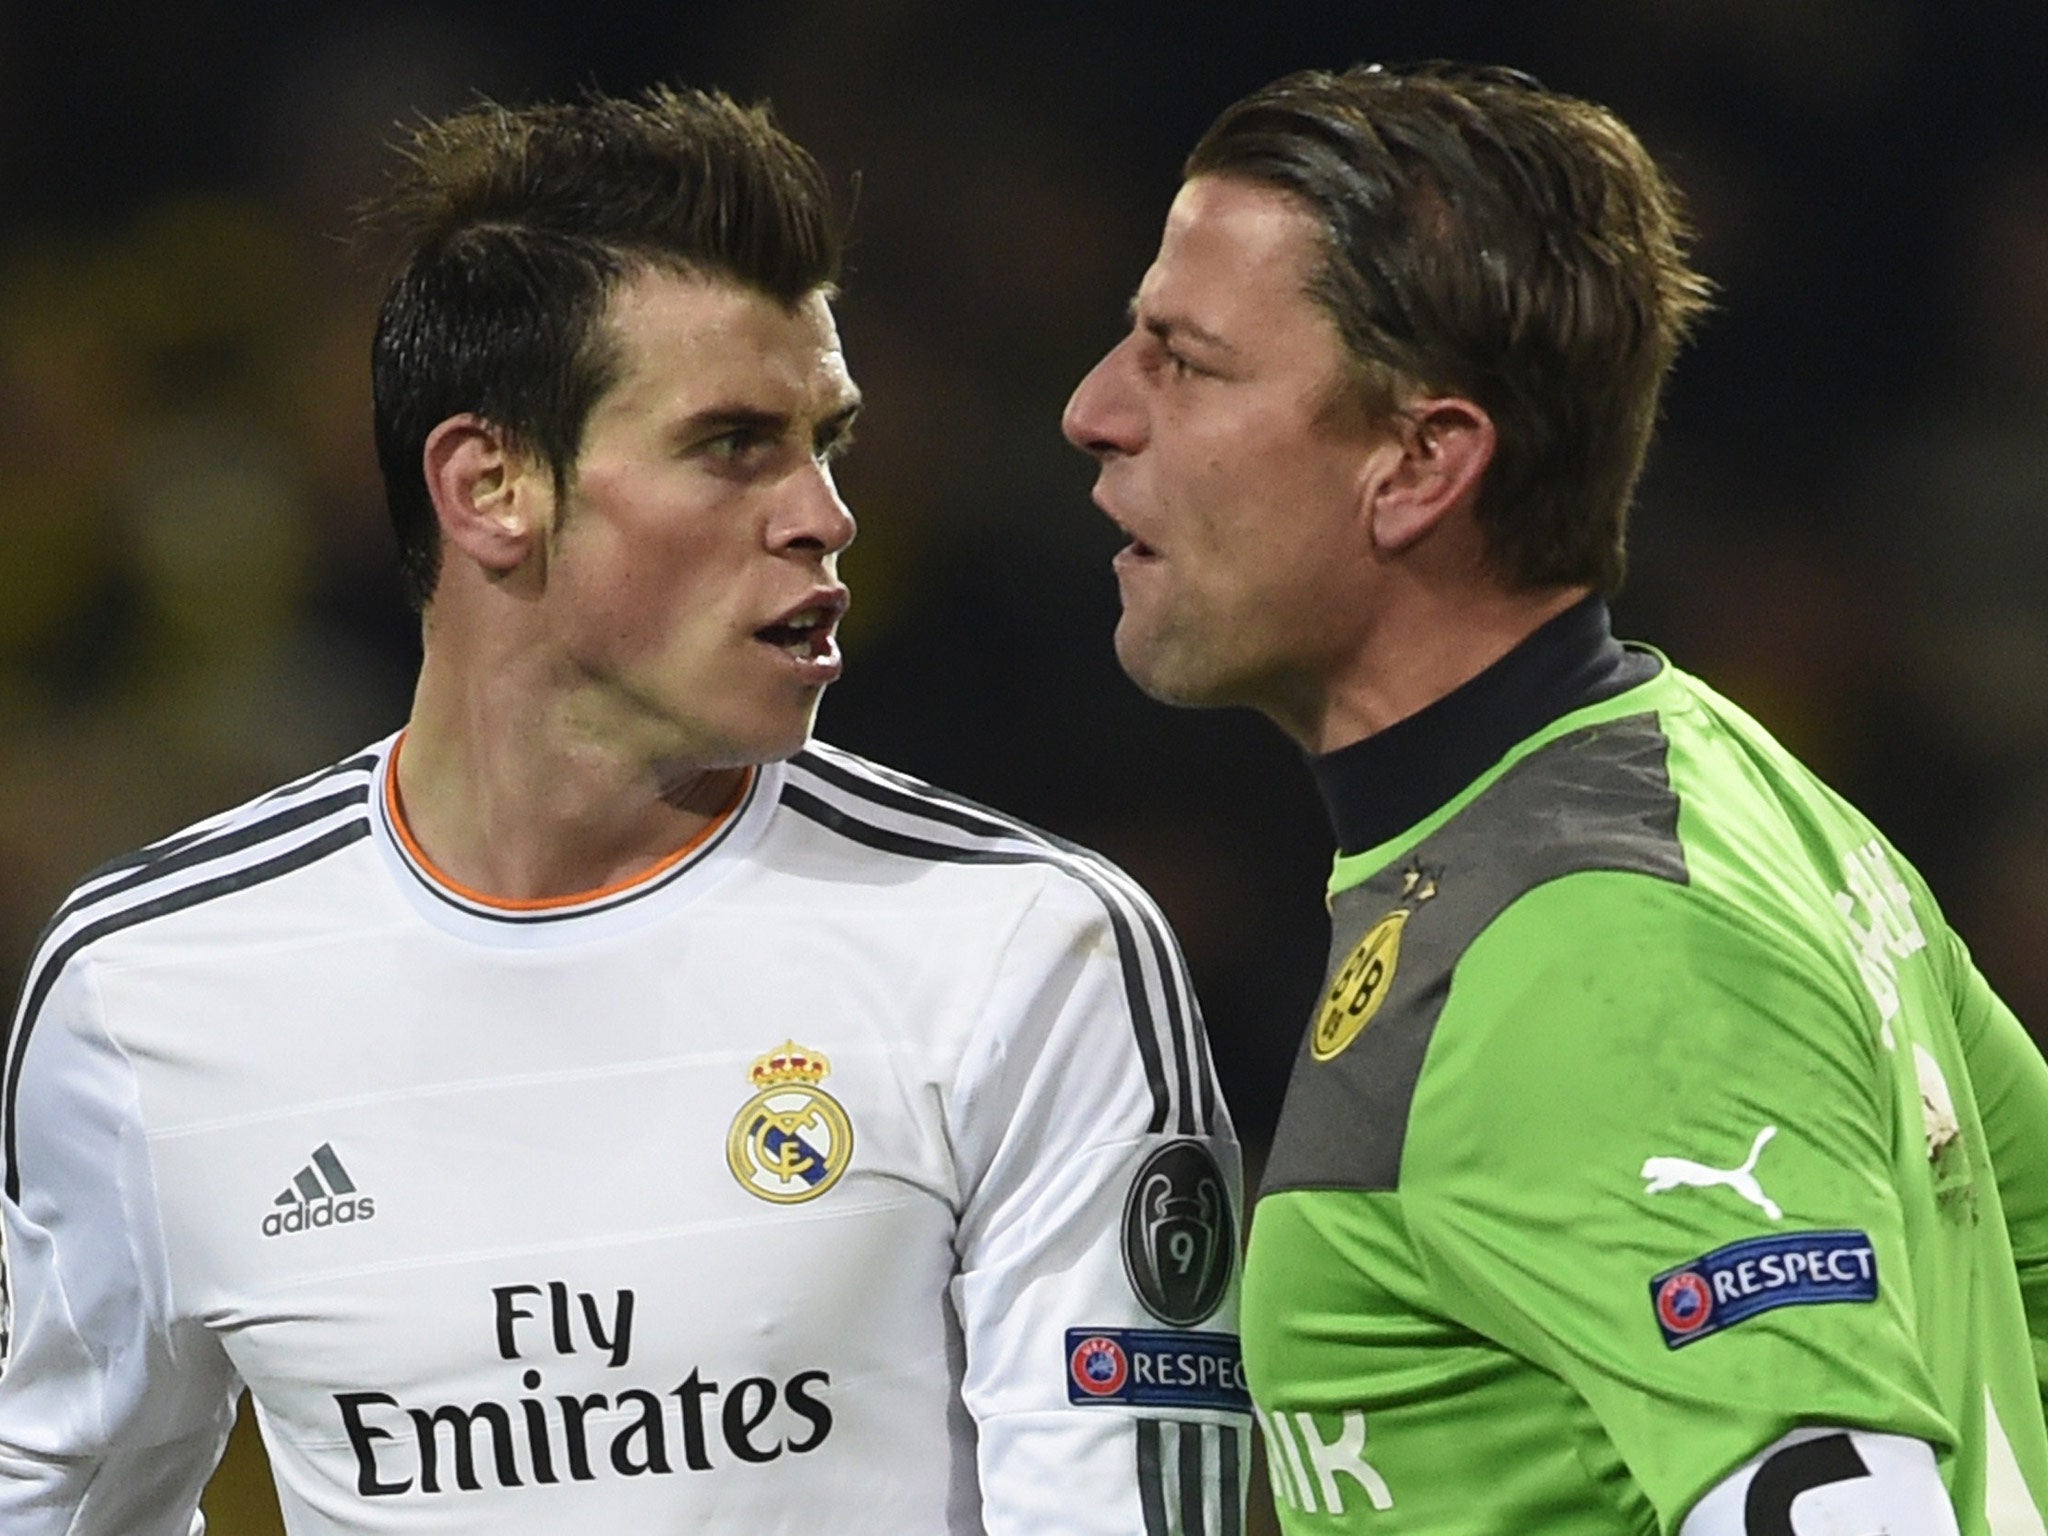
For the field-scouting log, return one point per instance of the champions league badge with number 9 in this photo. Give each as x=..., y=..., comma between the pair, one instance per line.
x=792, y=1140
x=1179, y=1238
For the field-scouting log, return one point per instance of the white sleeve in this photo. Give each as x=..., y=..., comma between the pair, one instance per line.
x=1817, y=1479
x=1097, y=1244
x=111, y=1416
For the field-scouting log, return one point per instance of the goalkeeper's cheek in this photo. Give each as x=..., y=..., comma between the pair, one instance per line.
x=1818, y=1479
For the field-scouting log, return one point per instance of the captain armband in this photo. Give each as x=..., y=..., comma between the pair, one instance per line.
x=1818, y=1479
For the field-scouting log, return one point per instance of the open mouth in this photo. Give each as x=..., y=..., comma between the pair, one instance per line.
x=1136, y=550
x=805, y=634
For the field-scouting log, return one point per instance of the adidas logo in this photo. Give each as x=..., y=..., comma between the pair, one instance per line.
x=321, y=1194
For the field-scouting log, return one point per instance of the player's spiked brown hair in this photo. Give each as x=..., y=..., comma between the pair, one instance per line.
x=518, y=224
x=1488, y=238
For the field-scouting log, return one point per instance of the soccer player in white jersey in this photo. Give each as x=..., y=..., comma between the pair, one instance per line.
x=594, y=1107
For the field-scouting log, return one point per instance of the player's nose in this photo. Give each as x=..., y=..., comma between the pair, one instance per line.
x=1102, y=415
x=812, y=515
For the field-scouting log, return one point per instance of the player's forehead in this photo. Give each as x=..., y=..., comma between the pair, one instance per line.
x=1232, y=288
x=680, y=338
x=1233, y=251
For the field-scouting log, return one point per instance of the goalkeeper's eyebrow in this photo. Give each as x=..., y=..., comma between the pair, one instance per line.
x=1166, y=328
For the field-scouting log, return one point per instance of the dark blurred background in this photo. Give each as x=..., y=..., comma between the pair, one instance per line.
x=1845, y=524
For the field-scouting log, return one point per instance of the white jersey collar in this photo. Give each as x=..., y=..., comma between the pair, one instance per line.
x=674, y=882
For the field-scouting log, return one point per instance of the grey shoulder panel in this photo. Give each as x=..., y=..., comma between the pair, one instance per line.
x=1597, y=799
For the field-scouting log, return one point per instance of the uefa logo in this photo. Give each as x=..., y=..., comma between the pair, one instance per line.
x=1099, y=1366
x=1684, y=1303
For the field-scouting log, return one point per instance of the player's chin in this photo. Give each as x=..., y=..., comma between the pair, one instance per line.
x=772, y=717
x=1159, y=668
x=745, y=733
x=787, y=732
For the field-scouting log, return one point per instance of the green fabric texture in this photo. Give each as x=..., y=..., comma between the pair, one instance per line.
x=1476, y=1349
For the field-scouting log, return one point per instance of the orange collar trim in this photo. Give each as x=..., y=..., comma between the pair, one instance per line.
x=654, y=871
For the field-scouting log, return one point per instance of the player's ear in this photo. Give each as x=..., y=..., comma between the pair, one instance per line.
x=1444, y=446
x=493, y=502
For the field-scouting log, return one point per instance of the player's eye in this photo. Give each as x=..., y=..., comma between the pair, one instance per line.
x=1166, y=360
x=834, y=442
x=737, y=443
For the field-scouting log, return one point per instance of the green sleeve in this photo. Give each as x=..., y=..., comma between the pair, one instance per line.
x=2010, y=1081
x=1608, y=1019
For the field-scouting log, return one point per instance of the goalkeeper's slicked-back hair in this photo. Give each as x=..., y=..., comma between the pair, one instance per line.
x=1485, y=237
x=518, y=224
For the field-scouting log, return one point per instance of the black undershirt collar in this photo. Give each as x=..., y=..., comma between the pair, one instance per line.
x=1392, y=779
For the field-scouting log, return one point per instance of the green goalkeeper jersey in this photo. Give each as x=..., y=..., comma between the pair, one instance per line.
x=1651, y=1111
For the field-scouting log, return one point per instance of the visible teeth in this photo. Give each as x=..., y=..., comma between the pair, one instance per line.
x=805, y=634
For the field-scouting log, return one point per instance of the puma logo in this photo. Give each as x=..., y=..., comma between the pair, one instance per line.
x=1665, y=1173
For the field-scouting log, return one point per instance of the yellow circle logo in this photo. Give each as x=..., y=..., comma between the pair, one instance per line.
x=792, y=1140
x=789, y=1144
x=1361, y=986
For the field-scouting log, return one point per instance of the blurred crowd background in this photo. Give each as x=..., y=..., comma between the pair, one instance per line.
x=1845, y=524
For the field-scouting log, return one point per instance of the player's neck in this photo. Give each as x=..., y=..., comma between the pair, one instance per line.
x=1430, y=642
x=523, y=788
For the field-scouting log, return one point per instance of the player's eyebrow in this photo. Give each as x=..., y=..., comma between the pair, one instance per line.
x=717, y=419
x=1167, y=327
x=733, y=418
x=732, y=414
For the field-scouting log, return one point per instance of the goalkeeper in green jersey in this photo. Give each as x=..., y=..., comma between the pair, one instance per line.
x=1656, y=1161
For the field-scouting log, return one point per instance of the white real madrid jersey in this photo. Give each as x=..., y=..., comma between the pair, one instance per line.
x=861, y=1169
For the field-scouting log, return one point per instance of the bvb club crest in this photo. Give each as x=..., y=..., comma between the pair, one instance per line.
x=1363, y=981
x=791, y=1141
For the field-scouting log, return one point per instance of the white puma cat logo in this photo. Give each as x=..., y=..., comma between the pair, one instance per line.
x=1666, y=1173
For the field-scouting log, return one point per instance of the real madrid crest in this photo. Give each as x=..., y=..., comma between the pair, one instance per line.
x=792, y=1140
x=1362, y=982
